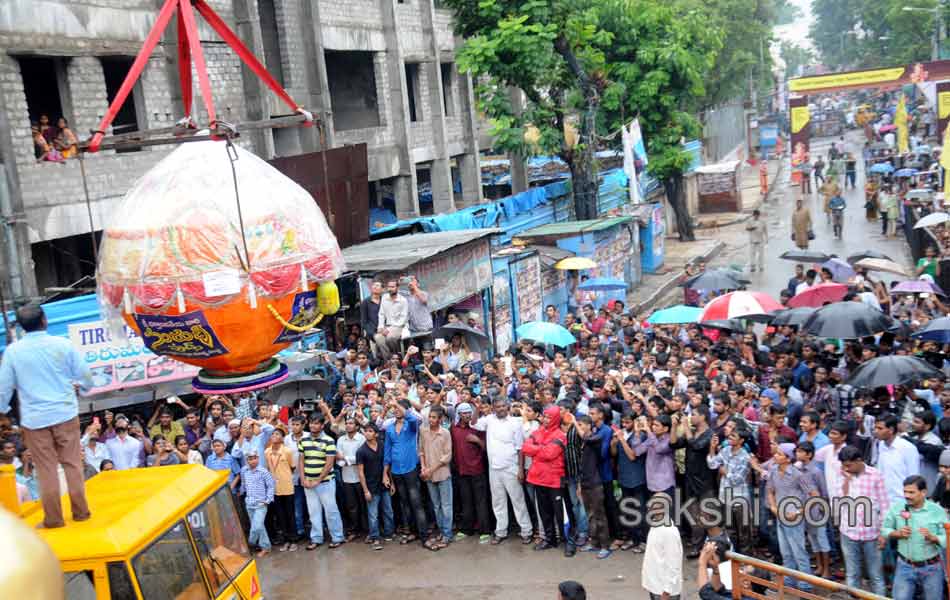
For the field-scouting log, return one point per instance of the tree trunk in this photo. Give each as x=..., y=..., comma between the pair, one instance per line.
x=676, y=196
x=583, y=167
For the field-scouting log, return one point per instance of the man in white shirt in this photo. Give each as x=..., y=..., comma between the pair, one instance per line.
x=94, y=452
x=125, y=450
x=505, y=436
x=662, y=573
x=346, y=447
x=393, y=317
x=828, y=457
x=810, y=276
x=897, y=459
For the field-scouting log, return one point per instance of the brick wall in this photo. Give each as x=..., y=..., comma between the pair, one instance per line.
x=86, y=88
x=409, y=22
x=443, y=25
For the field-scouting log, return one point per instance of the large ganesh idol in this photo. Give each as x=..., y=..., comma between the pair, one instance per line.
x=175, y=267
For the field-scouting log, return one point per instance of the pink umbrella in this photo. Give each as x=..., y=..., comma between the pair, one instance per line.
x=740, y=305
x=917, y=286
x=817, y=295
x=886, y=128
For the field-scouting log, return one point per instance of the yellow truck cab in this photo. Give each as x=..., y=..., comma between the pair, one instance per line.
x=162, y=533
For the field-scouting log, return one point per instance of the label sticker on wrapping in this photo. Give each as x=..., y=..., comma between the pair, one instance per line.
x=226, y=282
x=187, y=335
x=303, y=313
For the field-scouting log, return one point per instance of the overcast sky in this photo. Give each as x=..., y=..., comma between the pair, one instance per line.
x=798, y=31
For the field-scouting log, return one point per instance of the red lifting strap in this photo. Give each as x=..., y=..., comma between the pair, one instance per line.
x=189, y=48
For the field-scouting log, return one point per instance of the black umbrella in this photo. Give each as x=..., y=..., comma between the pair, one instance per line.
x=867, y=254
x=715, y=279
x=304, y=388
x=724, y=324
x=893, y=370
x=806, y=256
x=473, y=337
x=792, y=316
x=847, y=320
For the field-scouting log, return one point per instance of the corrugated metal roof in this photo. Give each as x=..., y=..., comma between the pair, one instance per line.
x=399, y=253
x=569, y=228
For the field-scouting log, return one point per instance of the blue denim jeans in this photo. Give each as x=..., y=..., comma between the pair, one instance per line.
x=579, y=527
x=258, y=535
x=322, y=499
x=862, y=554
x=791, y=542
x=440, y=492
x=907, y=578
x=380, y=503
x=300, y=508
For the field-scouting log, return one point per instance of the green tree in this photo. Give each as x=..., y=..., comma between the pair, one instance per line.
x=549, y=50
x=596, y=62
x=656, y=67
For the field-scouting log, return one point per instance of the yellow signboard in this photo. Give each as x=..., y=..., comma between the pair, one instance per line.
x=820, y=82
x=943, y=104
x=800, y=118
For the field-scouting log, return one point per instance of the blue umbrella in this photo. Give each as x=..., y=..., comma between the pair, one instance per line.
x=881, y=168
x=546, y=333
x=676, y=315
x=937, y=330
x=603, y=284
x=905, y=172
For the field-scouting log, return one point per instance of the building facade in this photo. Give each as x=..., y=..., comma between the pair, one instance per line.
x=380, y=72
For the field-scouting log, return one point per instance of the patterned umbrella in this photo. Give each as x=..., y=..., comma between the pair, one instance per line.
x=917, y=286
x=757, y=306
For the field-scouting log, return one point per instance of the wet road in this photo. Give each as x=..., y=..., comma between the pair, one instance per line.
x=466, y=570
x=859, y=233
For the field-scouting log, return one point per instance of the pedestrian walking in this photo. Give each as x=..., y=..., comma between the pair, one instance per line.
x=46, y=372
x=259, y=494
x=801, y=225
x=758, y=238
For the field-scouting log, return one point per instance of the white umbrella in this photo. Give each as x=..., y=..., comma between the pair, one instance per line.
x=932, y=219
x=920, y=194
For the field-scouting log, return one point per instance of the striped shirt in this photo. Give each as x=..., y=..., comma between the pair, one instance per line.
x=225, y=463
x=315, y=452
x=258, y=485
x=869, y=484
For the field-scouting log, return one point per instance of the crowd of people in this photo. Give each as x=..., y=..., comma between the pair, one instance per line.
x=53, y=143
x=562, y=448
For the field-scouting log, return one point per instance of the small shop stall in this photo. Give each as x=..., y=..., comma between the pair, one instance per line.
x=719, y=187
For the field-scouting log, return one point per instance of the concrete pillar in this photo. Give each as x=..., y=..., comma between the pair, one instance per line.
x=255, y=92
x=471, y=177
x=86, y=95
x=443, y=198
x=468, y=164
x=405, y=191
x=318, y=100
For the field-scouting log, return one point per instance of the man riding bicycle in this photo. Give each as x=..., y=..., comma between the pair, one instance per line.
x=837, y=206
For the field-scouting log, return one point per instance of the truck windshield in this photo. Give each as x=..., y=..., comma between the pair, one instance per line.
x=220, y=539
x=168, y=568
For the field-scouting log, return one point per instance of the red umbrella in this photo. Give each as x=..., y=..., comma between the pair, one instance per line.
x=817, y=295
x=740, y=305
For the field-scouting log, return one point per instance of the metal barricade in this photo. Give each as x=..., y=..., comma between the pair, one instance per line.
x=776, y=586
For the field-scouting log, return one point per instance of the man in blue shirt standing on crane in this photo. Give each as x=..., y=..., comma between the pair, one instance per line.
x=47, y=372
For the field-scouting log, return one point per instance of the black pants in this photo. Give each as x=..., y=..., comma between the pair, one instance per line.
x=354, y=511
x=551, y=505
x=280, y=516
x=636, y=498
x=595, y=502
x=849, y=177
x=474, y=504
x=611, y=510
x=410, y=500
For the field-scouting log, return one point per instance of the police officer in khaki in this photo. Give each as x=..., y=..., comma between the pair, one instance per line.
x=758, y=236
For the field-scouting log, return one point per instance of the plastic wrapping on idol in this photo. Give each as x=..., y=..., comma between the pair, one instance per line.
x=174, y=266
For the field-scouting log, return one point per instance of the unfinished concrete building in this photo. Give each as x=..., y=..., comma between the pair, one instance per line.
x=379, y=72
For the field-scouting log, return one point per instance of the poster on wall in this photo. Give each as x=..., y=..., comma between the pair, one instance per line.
x=501, y=312
x=659, y=233
x=455, y=274
x=122, y=364
x=526, y=277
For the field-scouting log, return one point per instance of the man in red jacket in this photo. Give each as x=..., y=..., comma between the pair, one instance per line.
x=546, y=448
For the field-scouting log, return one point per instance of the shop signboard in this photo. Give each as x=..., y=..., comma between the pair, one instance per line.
x=456, y=274
x=123, y=363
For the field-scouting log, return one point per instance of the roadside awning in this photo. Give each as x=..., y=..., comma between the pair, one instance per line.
x=572, y=228
x=400, y=253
